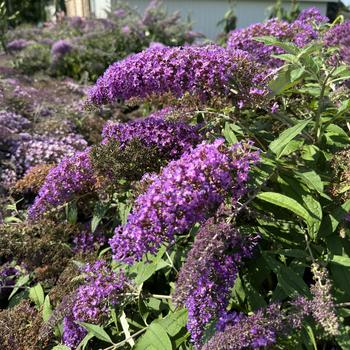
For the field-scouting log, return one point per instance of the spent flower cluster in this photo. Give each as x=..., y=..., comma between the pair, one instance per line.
x=209, y=272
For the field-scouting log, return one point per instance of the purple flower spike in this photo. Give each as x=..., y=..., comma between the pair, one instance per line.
x=187, y=191
x=206, y=72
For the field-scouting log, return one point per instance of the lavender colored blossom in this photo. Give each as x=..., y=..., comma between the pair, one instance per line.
x=61, y=48
x=102, y=288
x=186, y=191
x=209, y=272
x=8, y=276
x=12, y=123
x=312, y=15
x=73, y=334
x=256, y=331
x=156, y=45
x=339, y=36
x=70, y=177
x=119, y=13
x=34, y=149
x=17, y=44
x=204, y=72
x=322, y=305
x=298, y=32
x=170, y=137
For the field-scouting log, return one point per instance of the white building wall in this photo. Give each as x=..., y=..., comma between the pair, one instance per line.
x=205, y=14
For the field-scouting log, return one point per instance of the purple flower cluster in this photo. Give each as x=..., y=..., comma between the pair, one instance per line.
x=34, y=149
x=102, y=288
x=209, y=272
x=299, y=32
x=339, y=36
x=312, y=15
x=10, y=124
x=71, y=176
x=249, y=332
x=205, y=72
x=61, y=48
x=73, y=334
x=170, y=137
x=260, y=330
x=17, y=44
x=186, y=191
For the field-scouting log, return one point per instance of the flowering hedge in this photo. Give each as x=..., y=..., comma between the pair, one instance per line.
x=220, y=221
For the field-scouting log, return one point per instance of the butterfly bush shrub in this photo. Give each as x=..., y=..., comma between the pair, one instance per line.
x=220, y=221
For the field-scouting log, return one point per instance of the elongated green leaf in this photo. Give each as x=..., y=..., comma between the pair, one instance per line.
x=285, y=202
x=340, y=260
x=311, y=179
x=36, y=295
x=47, y=309
x=83, y=344
x=174, y=322
x=20, y=282
x=311, y=335
x=98, y=214
x=155, y=338
x=288, y=135
x=315, y=217
x=297, y=73
x=229, y=134
x=97, y=331
x=61, y=347
x=288, y=279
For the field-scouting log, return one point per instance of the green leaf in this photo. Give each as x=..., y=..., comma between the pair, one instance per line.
x=146, y=268
x=61, y=347
x=343, y=339
x=97, y=331
x=229, y=134
x=288, y=279
x=98, y=214
x=83, y=344
x=124, y=210
x=315, y=217
x=339, y=214
x=278, y=145
x=311, y=335
x=297, y=73
x=285, y=202
x=72, y=213
x=291, y=147
x=311, y=179
x=47, y=309
x=155, y=338
x=19, y=283
x=340, y=260
x=174, y=322
x=144, y=271
x=36, y=295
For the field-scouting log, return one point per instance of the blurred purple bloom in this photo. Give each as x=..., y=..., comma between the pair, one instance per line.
x=61, y=48
x=17, y=44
